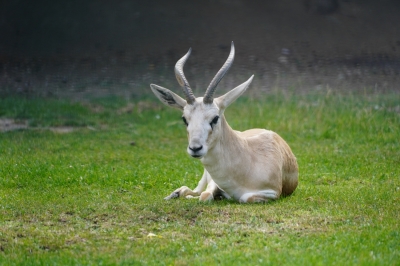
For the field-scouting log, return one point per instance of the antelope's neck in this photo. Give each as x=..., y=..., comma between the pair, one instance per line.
x=227, y=150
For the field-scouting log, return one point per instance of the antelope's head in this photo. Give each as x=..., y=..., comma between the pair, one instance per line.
x=203, y=116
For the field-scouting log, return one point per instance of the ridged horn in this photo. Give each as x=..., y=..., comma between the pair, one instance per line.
x=180, y=76
x=208, y=96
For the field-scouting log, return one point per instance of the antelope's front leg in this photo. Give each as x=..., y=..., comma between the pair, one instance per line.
x=182, y=192
x=187, y=192
x=211, y=190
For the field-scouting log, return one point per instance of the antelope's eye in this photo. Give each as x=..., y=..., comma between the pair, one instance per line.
x=214, y=121
x=184, y=121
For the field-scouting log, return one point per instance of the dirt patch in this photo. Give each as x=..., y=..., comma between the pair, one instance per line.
x=62, y=130
x=7, y=124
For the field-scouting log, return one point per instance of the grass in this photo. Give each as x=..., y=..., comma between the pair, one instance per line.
x=95, y=195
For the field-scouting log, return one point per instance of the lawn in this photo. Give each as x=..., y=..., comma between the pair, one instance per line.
x=84, y=185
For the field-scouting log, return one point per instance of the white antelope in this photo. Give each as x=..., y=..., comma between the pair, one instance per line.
x=256, y=165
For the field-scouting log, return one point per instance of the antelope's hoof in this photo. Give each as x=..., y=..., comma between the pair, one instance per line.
x=172, y=196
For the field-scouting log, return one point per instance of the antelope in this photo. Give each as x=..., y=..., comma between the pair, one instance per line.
x=255, y=165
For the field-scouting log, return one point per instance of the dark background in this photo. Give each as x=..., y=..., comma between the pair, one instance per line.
x=82, y=49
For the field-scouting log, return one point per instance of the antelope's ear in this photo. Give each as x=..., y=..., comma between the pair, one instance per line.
x=229, y=97
x=168, y=97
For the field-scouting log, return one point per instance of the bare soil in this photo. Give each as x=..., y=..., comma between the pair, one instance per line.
x=7, y=124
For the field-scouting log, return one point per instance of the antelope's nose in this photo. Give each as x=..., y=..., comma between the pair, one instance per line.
x=196, y=148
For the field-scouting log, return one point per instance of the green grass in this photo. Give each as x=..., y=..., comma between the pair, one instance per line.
x=92, y=196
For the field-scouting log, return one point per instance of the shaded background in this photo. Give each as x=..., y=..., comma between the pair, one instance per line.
x=83, y=49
